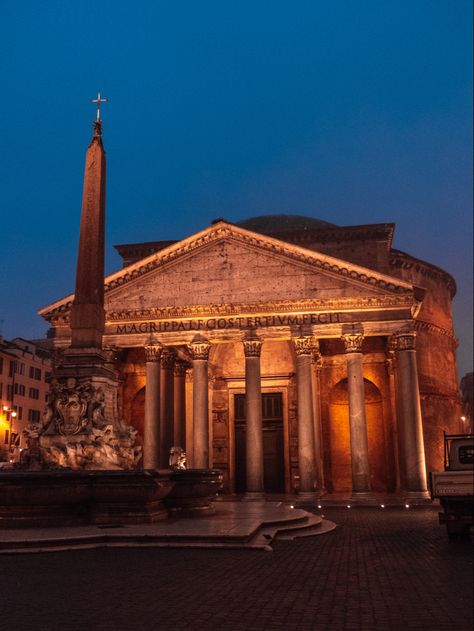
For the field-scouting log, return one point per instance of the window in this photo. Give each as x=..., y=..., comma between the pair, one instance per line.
x=9, y=392
x=34, y=393
x=1, y=390
x=466, y=454
x=34, y=416
x=19, y=412
x=19, y=389
x=12, y=369
x=35, y=373
x=47, y=376
x=1, y=365
x=21, y=368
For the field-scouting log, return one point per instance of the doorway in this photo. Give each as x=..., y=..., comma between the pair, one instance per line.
x=273, y=444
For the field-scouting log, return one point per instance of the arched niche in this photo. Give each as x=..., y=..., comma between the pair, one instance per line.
x=339, y=435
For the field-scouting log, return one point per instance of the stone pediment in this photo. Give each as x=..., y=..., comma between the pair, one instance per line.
x=228, y=265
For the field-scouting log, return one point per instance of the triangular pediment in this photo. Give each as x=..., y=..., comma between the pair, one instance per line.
x=225, y=264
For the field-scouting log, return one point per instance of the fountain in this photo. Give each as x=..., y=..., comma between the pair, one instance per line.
x=80, y=465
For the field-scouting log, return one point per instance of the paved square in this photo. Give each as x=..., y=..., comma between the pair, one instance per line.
x=379, y=570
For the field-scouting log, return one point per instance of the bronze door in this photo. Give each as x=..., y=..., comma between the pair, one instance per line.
x=273, y=456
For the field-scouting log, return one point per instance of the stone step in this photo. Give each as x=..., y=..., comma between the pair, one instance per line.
x=311, y=531
x=234, y=526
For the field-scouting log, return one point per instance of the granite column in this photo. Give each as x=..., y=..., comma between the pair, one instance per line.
x=166, y=405
x=316, y=365
x=357, y=417
x=306, y=457
x=410, y=424
x=179, y=406
x=151, y=437
x=199, y=348
x=253, y=415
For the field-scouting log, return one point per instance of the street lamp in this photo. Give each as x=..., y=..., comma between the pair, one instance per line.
x=11, y=415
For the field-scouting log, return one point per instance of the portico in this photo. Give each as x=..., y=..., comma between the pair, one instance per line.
x=229, y=315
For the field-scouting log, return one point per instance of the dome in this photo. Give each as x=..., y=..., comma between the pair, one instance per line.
x=273, y=224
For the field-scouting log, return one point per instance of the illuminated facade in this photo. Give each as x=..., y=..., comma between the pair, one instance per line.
x=288, y=352
x=24, y=369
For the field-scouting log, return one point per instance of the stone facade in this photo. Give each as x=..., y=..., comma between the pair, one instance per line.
x=344, y=347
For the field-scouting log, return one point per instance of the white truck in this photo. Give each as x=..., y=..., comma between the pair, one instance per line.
x=454, y=487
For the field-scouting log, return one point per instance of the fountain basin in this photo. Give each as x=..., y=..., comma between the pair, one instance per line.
x=193, y=492
x=64, y=497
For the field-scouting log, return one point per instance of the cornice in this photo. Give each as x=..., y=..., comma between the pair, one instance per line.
x=61, y=315
x=337, y=234
x=223, y=230
x=402, y=260
x=422, y=325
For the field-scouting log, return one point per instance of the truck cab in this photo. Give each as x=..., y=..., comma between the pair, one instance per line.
x=454, y=487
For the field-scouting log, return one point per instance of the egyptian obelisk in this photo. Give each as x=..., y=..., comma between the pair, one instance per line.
x=85, y=356
x=87, y=314
x=82, y=427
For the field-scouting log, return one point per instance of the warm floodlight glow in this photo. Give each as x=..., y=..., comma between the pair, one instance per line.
x=348, y=506
x=463, y=418
x=382, y=505
x=407, y=505
x=292, y=506
x=319, y=506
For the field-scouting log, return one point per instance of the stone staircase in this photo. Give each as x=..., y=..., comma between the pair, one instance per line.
x=236, y=525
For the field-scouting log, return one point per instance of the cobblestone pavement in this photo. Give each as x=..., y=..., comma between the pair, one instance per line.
x=379, y=570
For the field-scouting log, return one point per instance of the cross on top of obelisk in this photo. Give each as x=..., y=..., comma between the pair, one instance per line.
x=98, y=100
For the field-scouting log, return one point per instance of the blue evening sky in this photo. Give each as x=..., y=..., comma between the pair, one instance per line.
x=353, y=111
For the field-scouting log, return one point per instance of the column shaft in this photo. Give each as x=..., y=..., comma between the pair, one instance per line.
x=200, y=351
x=151, y=433
x=318, y=430
x=306, y=453
x=253, y=414
x=179, y=407
x=357, y=418
x=166, y=406
x=410, y=421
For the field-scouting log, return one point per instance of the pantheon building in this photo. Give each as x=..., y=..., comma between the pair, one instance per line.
x=292, y=354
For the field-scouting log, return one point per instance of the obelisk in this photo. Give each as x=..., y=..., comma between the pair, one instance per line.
x=84, y=357
x=87, y=313
x=82, y=427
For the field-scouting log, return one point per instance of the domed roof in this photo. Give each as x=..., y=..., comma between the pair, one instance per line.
x=272, y=224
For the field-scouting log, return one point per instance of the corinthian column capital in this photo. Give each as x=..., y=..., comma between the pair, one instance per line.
x=304, y=345
x=153, y=353
x=200, y=348
x=405, y=340
x=252, y=346
x=353, y=342
x=180, y=368
x=168, y=359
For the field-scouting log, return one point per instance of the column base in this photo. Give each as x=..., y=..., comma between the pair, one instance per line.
x=363, y=498
x=306, y=499
x=306, y=495
x=254, y=496
x=416, y=497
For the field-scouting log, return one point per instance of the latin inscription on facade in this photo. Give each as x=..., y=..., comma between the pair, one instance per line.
x=211, y=324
